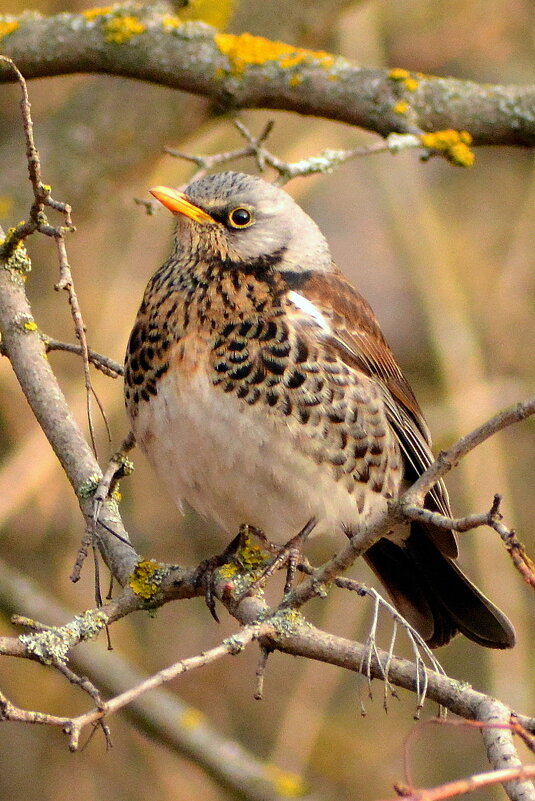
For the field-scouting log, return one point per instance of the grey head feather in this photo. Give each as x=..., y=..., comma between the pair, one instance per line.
x=280, y=224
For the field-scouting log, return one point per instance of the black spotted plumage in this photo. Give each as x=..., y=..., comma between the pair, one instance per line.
x=260, y=385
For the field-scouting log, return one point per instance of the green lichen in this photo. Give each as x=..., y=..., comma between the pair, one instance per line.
x=127, y=465
x=234, y=644
x=454, y=145
x=53, y=645
x=251, y=558
x=247, y=563
x=17, y=262
x=287, y=621
x=88, y=488
x=228, y=571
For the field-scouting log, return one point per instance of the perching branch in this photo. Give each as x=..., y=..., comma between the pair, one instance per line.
x=243, y=71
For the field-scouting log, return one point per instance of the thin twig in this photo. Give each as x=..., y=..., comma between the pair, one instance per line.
x=232, y=645
x=39, y=222
x=325, y=162
x=447, y=459
x=118, y=466
x=462, y=786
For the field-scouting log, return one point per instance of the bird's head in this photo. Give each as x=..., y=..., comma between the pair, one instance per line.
x=247, y=223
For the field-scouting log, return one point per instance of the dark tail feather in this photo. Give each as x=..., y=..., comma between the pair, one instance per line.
x=434, y=595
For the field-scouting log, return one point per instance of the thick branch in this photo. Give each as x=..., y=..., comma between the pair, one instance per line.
x=252, y=72
x=26, y=351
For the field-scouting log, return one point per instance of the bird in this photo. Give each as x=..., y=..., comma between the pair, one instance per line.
x=262, y=390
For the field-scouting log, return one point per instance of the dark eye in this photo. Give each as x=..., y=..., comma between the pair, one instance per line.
x=240, y=218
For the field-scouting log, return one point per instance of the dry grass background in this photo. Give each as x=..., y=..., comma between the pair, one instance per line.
x=445, y=256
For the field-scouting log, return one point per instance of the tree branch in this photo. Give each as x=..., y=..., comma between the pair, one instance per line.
x=447, y=459
x=243, y=71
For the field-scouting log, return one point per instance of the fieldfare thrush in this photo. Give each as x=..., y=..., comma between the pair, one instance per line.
x=262, y=390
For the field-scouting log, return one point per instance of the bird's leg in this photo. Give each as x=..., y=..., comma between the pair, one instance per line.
x=206, y=572
x=294, y=550
x=289, y=555
x=235, y=552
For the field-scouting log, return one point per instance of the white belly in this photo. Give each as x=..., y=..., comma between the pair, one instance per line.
x=235, y=464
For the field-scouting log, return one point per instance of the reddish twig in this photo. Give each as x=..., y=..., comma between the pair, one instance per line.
x=462, y=786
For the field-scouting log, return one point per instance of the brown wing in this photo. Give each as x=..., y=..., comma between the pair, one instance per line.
x=360, y=342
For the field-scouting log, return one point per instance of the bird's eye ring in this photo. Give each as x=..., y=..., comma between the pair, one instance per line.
x=240, y=218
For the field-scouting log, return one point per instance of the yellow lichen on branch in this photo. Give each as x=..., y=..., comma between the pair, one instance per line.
x=454, y=145
x=171, y=23
x=93, y=13
x=119, y=30
x=286, y=783
x=214, y=12
x=410, y=83
x=7, y=27
x=245, y=50
x=145, y=580
x=401, y=107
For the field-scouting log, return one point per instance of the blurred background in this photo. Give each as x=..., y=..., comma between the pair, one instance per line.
x=444, y=255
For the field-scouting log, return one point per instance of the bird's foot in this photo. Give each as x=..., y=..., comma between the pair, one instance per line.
x=287, y=555
x=206, y=572
x=239, y=554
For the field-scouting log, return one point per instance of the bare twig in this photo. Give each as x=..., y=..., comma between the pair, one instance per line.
x=463, y=786
x=493, y=518
x=261, y=672
x=232, y=645
x=118, y=467
x=325, y=162
x=39, y=222
x=447, y=459
x=106, y=365
x=516, y=550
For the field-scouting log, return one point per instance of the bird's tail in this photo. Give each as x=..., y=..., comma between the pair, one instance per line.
x=434, y=595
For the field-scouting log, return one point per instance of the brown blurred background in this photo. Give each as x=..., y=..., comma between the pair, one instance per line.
x=445, y=257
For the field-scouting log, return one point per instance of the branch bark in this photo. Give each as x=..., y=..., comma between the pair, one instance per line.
x=241, y=71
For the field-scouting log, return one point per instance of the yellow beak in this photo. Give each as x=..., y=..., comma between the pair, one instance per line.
x=178, y=203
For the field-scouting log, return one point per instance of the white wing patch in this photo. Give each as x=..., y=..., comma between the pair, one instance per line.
x=308, y=307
